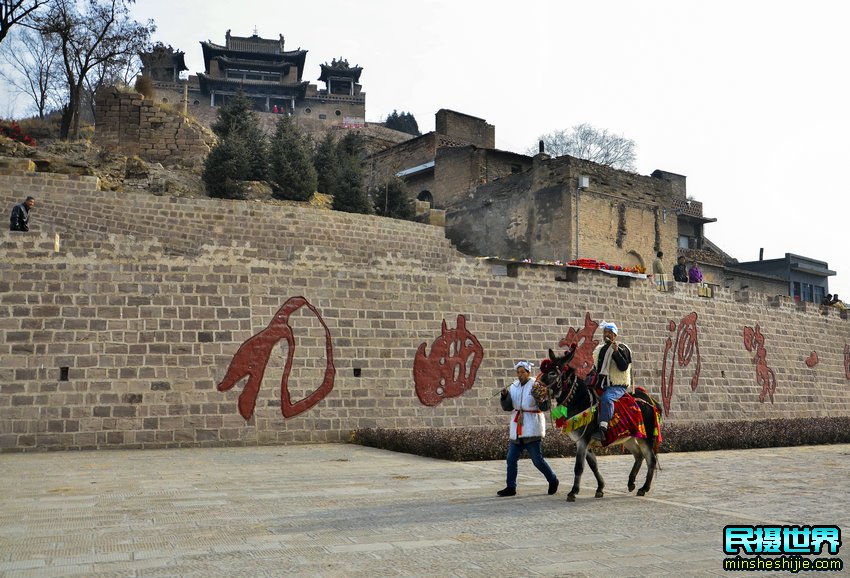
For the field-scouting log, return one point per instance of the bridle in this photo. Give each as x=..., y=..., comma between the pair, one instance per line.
x=562, y=376
x=572, y=390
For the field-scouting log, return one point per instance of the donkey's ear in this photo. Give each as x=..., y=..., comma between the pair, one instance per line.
x=552, y=355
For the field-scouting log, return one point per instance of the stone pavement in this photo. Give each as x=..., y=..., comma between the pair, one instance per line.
x=345, y=510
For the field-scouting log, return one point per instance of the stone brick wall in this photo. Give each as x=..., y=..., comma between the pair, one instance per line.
x=118, y=337
x=186, y=226
x=623, y=218
x=466, y=128
x=127, y=123
x=412, y=153
x=458, y=171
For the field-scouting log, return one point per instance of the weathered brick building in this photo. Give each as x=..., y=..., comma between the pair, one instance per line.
x=505, y=204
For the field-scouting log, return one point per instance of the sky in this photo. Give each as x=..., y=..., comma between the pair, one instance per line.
x=748, y=99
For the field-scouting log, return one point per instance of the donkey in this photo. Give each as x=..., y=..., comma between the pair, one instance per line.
x=578, y=396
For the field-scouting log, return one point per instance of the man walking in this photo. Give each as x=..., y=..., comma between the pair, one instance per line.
x=20, y=218
x=527, y=428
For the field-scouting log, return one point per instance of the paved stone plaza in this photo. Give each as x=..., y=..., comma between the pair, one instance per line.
x=345, y=510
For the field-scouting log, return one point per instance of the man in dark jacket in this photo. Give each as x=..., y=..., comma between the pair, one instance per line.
x=19, y=221
x=680, y=271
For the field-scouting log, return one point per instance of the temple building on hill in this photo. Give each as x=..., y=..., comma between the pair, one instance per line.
x=271, y=76
x=163, y=63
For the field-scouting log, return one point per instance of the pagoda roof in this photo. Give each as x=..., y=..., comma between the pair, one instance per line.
x=162, y=54
x=217, y=51
x=254, y=43
x=251, y=87
x=226, y=62
x=340, y=69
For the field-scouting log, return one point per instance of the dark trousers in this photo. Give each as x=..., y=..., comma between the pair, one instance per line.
x=535, y=452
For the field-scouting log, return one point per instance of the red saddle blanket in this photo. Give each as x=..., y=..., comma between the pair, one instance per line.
x=628, y=422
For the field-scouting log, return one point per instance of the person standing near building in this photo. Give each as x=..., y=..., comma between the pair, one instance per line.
x=658, y=274
x=20, y=218
x=658, y=265
x=527, y=428
x=680, y=271
x=695, y=273
x=613, y=363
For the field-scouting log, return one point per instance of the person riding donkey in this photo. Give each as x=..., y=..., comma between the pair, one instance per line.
x=613, y=363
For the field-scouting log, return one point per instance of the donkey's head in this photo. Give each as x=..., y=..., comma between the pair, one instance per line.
x=555, y=373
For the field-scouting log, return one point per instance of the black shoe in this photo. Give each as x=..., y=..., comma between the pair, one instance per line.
x=506, y=492
x=553, y=487
x=599, y=435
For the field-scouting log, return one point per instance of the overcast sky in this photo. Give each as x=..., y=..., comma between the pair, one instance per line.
x=748, y=99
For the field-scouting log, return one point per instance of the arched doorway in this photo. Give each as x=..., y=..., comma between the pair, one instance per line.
x=426, y=196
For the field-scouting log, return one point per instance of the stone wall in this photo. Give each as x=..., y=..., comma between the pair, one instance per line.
x=383, y=165
x=118, y=335
x=466, y=128
x=623, y=218
x=127, y=123
x=459, y=171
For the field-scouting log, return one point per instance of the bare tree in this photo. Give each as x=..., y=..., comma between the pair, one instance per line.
x=14, y=12
x=120, y=71
x=590, y=143
x=33, y=69
x=99, y=32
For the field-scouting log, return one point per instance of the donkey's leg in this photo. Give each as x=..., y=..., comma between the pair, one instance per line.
x=581, y=456
x=634, y=449
x=600, y=483
x=651, y=463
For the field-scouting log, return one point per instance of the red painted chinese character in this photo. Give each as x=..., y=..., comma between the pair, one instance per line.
x=253, y=356
x=450, y=368
x=847, y=362
x=582, y=361
x=812, y=359
x=686, y=346
x=765, y=377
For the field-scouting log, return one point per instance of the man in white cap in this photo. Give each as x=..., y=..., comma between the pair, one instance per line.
x=613, y=363
x=528, y=426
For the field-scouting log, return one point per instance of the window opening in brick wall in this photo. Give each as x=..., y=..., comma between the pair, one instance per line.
x=357, y=372
x=567, y=275
x=513, y=270
x=323, y=116
x=63, y=374
x=624, y=282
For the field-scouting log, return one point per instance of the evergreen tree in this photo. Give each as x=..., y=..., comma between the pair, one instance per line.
x=391, y=200
x=350, y=195
x=404, y=122
x=327, y=166
x=237, y=116
x=225, y=168
x=291, y=167
x=350, y=192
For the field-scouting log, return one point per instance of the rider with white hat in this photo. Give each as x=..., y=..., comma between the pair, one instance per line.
x=613, y=362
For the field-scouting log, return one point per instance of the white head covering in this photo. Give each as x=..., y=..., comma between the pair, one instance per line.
x=611, y=327
x=524, y=364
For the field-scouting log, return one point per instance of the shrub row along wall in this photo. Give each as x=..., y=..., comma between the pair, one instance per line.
x=116, y=340
x=129, y=124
